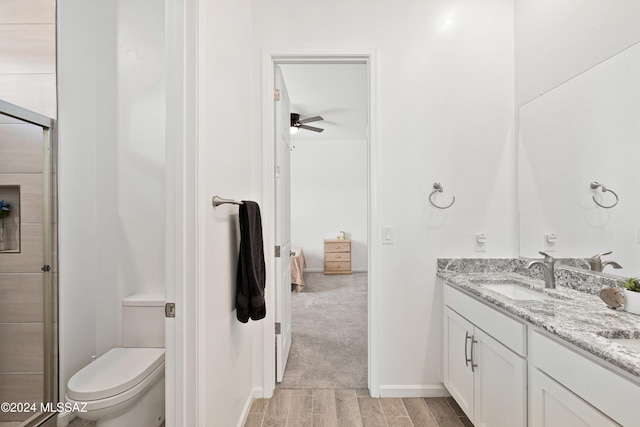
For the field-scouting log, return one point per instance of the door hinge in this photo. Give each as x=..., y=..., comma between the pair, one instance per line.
x=170, y=309
x=278, y=328
x=277, y=251
x=276, y=94
x=46, y=268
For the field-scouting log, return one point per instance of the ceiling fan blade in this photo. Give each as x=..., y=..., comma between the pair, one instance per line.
x=311, y=119
x=313, y=128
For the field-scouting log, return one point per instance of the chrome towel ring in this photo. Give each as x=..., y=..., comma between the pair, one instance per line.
x=595, y=185
x=437, y=188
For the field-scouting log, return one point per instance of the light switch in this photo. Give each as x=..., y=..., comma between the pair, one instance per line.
x=387, y=235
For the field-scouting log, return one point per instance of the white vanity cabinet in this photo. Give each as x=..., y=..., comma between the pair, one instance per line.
x=484, y=361
x=569, y=388
x=553, y=405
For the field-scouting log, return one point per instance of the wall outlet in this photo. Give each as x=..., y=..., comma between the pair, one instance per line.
x=481, y=242
x=550, y=241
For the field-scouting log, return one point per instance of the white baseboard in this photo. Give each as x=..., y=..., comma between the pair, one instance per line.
x=245, y=410
x=258, y=393
x=417, y=390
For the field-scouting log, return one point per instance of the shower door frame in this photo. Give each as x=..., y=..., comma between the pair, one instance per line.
x=48, y=262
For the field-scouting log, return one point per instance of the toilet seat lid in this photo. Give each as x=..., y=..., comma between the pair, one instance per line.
x=114, y=372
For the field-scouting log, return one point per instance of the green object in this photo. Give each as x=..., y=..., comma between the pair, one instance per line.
x=632, y=284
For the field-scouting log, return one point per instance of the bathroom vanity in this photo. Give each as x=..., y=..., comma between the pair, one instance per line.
x=518, y=354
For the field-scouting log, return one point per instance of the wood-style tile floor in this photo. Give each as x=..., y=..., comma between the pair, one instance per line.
x=352, y=408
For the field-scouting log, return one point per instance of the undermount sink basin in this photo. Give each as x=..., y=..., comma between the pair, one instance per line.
x=513, y=289
x=516, y=292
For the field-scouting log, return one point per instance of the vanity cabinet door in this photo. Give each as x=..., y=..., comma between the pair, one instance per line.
x=552, y=405
x=499, y=384
x=458, y=377
x=486, y=379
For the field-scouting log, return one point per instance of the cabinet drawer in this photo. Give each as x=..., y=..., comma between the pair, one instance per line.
x=337, y=256
x=505, y=329
x=337, y=266
x=337, y=247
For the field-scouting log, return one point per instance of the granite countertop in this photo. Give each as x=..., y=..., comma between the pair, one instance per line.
x=577, y=317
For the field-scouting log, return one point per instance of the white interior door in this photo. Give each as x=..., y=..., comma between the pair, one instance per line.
x=283, y=224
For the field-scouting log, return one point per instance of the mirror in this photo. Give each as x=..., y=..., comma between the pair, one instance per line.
x=585, y=130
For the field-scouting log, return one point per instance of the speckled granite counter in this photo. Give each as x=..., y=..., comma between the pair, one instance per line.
x=576, y=316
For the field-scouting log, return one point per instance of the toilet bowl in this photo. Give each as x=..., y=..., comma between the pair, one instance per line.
x=125, y=386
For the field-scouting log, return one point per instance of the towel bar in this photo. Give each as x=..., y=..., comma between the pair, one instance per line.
x=217, y=201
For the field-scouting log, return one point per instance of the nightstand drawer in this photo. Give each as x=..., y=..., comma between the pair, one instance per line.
x=337, y=247
x=337, y=256
x=337, y=266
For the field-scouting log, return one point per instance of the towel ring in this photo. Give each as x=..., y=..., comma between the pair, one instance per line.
x=595, y=185
x=437, y=188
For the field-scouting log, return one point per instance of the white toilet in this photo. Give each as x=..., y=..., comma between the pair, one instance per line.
x=125, y=386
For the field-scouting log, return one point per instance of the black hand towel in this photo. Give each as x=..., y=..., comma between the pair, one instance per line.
x=251, y=270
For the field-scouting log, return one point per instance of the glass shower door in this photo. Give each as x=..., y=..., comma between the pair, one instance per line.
x=28, y=267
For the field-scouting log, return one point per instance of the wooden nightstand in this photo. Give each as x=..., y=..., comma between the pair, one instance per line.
x=337, y=256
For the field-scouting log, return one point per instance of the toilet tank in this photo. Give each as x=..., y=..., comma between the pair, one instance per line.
x=143, y=320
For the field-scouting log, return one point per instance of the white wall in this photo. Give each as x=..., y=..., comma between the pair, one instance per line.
x=111, y=161
x=445, y=114
x=329, y=194
x=227, y=164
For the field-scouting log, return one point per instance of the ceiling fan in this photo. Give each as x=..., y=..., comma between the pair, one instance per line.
x=296, y=123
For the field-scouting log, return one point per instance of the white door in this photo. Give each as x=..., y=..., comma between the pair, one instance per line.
x=283, y=224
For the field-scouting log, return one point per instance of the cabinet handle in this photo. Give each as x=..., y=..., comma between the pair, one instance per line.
x=468, y=337
x=473, y=365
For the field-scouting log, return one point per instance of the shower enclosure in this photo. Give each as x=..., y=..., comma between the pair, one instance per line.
x=28, y=267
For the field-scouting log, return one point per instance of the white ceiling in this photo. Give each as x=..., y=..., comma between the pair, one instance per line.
x=337, y=92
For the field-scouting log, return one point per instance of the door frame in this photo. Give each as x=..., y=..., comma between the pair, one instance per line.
x=270, y=59
x=182, y=333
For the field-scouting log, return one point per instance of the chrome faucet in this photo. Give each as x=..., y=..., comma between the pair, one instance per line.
x=596, y=264
x=547, y=268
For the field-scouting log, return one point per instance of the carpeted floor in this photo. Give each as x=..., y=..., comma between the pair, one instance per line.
x=329, y=333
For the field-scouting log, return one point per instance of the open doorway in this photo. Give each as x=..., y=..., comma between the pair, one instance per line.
x=270, y=60
x=329, y=207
